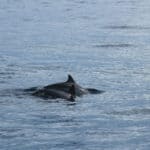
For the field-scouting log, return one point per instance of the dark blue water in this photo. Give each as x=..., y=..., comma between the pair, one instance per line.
x=104, y=44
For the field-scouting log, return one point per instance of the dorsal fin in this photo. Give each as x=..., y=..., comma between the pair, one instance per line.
x=70, y=79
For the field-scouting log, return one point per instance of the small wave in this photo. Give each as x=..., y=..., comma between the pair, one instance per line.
x=10, y=133
x=124, y=27
x=113, y=45
x=12, y=92
x=7, y=73
x=144, y=111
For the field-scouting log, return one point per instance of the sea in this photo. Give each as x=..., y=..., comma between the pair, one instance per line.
x=103, y=44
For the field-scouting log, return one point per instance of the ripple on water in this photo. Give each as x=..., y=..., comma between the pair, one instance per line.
x=132, y=112
x=9, y=133
x=112, y=45
x=127, y=27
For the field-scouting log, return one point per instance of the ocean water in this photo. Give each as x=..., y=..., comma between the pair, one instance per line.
x=103, y=44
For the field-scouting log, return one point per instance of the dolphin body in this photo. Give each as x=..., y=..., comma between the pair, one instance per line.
x=66, y=90
x=52, y=93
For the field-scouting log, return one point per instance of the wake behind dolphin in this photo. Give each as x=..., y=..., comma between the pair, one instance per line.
x=68, y=90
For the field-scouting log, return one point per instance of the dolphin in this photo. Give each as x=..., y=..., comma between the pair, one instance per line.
x=56, y=93
x=65, y=86
x=65, y=90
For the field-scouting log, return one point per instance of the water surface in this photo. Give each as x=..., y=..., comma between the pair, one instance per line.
x=104, y=44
